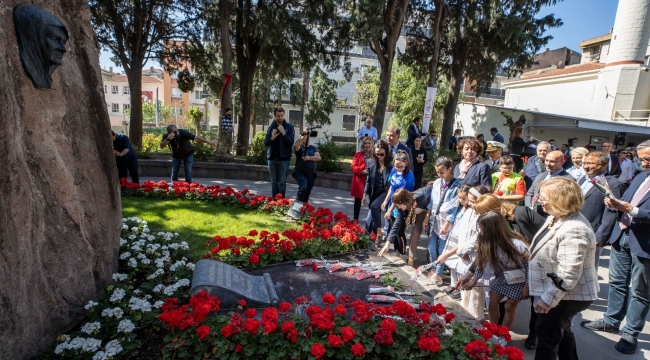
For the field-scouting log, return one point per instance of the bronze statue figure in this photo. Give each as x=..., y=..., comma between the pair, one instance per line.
x=41, y=43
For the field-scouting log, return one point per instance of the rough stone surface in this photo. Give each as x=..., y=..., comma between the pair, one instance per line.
x=60, y=204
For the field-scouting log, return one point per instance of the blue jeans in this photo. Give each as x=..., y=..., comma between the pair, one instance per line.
x=305, y=184
x=278, y=171
x=187, y=162
x=436, y=247
x=622, y=301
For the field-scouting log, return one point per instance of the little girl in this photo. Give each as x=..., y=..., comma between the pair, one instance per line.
x=441, y=211
x=405, y=203
x=506, y=254
x=456, y=238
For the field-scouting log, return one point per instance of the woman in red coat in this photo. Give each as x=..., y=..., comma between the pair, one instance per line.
x=359, y=172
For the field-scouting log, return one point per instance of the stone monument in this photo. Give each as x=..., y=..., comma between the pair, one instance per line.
x=60, y=216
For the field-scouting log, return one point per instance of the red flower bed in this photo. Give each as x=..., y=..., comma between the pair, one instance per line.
x=395, y=331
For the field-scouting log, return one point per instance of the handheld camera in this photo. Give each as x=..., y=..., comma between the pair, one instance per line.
x=311, y=131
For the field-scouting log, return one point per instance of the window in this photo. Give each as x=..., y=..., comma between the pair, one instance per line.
x=127, y=90
x=177, y=93
x=126, y=107
x=294, y=117
x=105, y=89
x=198, y=95
x=115, y=107
x=348, y=122
x=115, y=89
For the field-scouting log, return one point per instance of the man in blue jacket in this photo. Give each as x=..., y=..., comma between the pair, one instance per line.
x=279, y=143
x=629, y=262
x=125, y=157
x=536, y=164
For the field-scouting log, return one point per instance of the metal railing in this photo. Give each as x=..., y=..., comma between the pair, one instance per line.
x=493, y=93
x=631, y=115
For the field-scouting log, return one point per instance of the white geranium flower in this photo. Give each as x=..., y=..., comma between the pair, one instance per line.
x=158, y=304
x=60, y=348
x=91, y=345
x=135, y=230
x=113, y=348
x=117, y=295
x=89, y=328
x=120, y=277
x=158, y=288
x=190, y=266
x=125, y=255
x=76, y=343
x=90, y=305
x=125, y=326
x=176, y=265
x=125, y=227
x=133, y=263
x=100, y=355
x=137, y=291
x=132, y=237
x=141, y=256
x=118, y=313
x=122, y=242
x=146, y=261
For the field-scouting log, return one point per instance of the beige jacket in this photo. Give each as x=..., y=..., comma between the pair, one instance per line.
x=569, y=250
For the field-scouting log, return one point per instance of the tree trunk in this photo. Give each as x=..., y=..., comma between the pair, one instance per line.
x=134, y=75
x=226, y=52
x=246, y=91
x=382, y=97
x=433, y=67
x=304, y=98
x=60, y=217
x=456, y=81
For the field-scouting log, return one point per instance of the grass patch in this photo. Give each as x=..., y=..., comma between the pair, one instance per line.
x=198, y=222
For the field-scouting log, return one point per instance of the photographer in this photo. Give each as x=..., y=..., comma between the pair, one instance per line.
x=125, y=157
x=306, y=158
x=182, y=150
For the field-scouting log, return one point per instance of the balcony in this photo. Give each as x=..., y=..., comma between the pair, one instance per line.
x=491, y=93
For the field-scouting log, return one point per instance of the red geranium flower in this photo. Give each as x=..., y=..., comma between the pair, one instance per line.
x=250, y=312
x=317, y=350
x=478, y=349
x=254, y=259
x=383, y=337
x=238, y=348
x=429, y=343
x=242, y=302
x=449, y=317
x=329, y=299
x=229, y=330
x=251, y=325
x=203, y=331
x=340, y=309
x=389, y=325
x=358, y=350
x=334, y=340
x=347, y=333
x=285, y=306
x=269, y=326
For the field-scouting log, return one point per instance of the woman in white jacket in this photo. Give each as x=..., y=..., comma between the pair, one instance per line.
x=562, y=276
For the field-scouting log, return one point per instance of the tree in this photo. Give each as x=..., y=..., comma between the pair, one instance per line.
x=366, y=92
x=379, y=23
x=512, y=125
x=267, y=94
x=323, y=98
x=196, y=115
x=135, y=31
x=149, y=112
x=483, y=37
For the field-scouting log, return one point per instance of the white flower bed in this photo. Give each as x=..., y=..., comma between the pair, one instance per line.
x=152, y=267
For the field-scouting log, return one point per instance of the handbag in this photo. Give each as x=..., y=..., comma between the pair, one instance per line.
x=516, y=276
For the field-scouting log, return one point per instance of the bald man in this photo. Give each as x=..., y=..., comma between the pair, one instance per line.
x=553, y=163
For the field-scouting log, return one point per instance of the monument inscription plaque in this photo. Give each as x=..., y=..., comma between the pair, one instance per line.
x=230, y=284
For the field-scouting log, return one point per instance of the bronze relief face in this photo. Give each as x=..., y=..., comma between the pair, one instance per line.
x=41, y=43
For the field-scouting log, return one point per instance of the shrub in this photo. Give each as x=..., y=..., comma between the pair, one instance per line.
x=346, y=149
x=329, y=154
x=203, y=151
x=258, y=151
x=150, y=144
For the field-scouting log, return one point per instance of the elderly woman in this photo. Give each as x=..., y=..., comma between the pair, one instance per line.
x=577, y=155
x=471, y=170
x=359, y=166
x=562, y=275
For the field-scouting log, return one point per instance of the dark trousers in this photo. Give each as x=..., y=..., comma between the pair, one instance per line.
x=418, y=180
x=553, y=330
x=305, y=184
x=399, y=242
x=357, y=208
x=130, y=165
x=375, y=211
x=519, y=163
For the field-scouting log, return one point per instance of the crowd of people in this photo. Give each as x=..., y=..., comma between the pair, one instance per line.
x=511, y=225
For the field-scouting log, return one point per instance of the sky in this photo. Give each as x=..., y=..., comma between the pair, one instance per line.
x=583, y=19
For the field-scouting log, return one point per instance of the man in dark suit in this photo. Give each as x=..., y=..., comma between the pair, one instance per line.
x=496, y=136
x=629, y=261
x=601, y=219
x=536, y=163
x=614, y=167
x=553, y=163
x=413, y=133
x=392, y=138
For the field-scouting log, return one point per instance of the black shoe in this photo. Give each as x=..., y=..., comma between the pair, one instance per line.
x=531, y=342
x=599, y=325
x=627, y=344
x=455, y=295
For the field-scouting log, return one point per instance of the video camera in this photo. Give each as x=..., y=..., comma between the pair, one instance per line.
x=311, y=131
x=572, y=141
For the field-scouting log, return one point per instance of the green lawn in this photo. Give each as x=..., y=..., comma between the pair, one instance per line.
x=198, y=222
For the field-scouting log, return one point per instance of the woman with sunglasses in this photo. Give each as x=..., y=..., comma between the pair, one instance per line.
x=377, y=185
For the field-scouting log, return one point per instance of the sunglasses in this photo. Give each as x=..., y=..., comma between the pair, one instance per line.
x=380, y=154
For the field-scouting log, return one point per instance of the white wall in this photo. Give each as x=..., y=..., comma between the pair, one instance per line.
x=570, y=95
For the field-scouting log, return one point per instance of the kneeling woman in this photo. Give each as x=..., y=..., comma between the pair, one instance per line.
x=406, y=204
x=306, y=158
x=506, y=253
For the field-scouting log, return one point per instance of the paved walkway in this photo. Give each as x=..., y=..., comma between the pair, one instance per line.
x=591, y=345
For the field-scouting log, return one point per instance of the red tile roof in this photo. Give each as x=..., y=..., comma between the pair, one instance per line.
x=145, y=79
x=571, y=69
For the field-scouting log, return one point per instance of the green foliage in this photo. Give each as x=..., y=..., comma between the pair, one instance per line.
x=259, y=148
x=150, y=144
x=185, y=80
x=149, y=112
x=203, y=151
x=322, y=100
x=329, y=154
x=267, y=93
x=195, y=115
x=367, y=89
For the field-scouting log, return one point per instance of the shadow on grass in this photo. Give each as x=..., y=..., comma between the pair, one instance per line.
x=198, y=222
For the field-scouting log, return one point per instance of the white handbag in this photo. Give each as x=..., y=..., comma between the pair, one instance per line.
x=516, y=276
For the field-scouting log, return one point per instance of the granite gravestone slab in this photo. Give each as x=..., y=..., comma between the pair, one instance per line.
x=230, y=285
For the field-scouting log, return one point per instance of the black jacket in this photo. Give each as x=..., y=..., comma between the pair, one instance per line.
x=370, y=179
x=423, y=196
x=601, y=219
x=527, y=222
